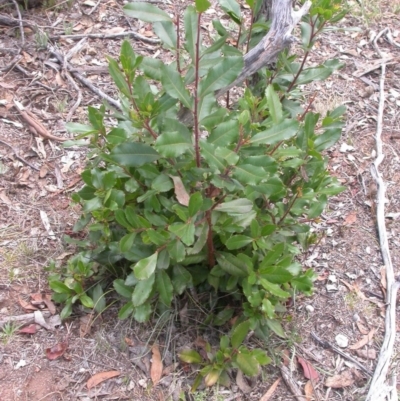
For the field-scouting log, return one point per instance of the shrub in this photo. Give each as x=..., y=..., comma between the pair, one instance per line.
x=223, y=204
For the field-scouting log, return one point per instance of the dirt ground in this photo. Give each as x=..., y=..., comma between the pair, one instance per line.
x=37, y=176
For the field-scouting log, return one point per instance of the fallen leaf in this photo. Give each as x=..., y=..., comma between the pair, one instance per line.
x=46, y=223
x=366, y=353
x=170, y=369
x=156, y=365
x=309, y=371
x=4, y=197
x=26, y=305
x=129, y=342
x=365, y=340
x=267, y=396
x=85, y=325
x=39, y=319
x=345, y=379
x=350, y=219
x=242, y=383
x=49, y=303
x=56, y=351
x=180, y=191
x=362, y=328
x=308, y=390
x=31, y=329
x=101, y=377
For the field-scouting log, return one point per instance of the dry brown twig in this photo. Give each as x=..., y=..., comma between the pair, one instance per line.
x=379, y=390
x=21, y=27
x=21, y=159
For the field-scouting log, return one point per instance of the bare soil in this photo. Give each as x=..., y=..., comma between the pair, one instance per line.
x=37, y=176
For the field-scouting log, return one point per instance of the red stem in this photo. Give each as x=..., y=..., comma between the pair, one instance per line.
x=196, y=98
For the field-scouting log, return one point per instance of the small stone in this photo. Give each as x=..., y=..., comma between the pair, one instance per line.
x=332, y=278
x=310, y=308
x=342, y=341
x=356, y=317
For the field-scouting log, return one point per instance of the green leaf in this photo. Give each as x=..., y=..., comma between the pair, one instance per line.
x=208, y=152
x=59, y=287
x=327, y=139
x=239, y=333
x=247, y=364
x=274, y=289
x=173, y=84
x=248, y=174
x=221, y=75
x=131, y=154
x=238, y=241
x=172, y=144
x=151, y=67
x=223, y=316
x=276, y=274
x=191, y=27
x=225, y=133
x=181, y=279
x=142, y=313
x=146, y=12
x=165, y=30
x=122, y=289
x=86, y=301
x=202, y=5
x=232, y=8
x=195, y=203
x=319, y=73
x=117, y=76
x=237, y=206
x=274, y=104
x=77, y=128
x=184, y=231
x=279, y=132
x=164, y=287
x=99, y=299
x=92, y=204
x=176, y=250
x=126, y=311
x=231, y=264
x=162, y=183
x=142, y=291
x=126, y=242
x=66, y=311
x=276, y=327
x=190, y=356
x=145, y=267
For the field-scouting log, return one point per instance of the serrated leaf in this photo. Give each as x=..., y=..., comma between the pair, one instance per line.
x=279, y=132
x=164, y=287
x=165, y=30
x=142, y=291
x=122, y=289
x=151, y=67
x=126, y=242
x=131, y=154
x=238, y=241
x=207, y=150
x=173, y=84
x=232, y=265
x=276, y=274
x=248, y=364
x=176, y=250
x=162, y=183
x=146, y=12
x=274, y=289
x=239, y=333
x=327, y=139
x=142, y=313
x=126, y=311
x=224, y=133
x=248, y=174
x=237, y=206
x=221, y=75
x=202, y=5
x=195, y=203
x=191, y=27
x=190, y=356
x=117, y=76
x=274, y=104
x=181, y=279
x=184, y=231
x=319, y=73
x=276, y=327
x=232, y=8
x=172, y=144
x=99, y=299
x=145, y=267
x=59, y=287
x=86, y=301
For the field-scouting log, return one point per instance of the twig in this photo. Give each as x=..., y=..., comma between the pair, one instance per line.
x=36, y=126
x=85, y=81
x=21, y=159
x=379, y=390
x=21, y=27
x=24, y=319
x=78, y=101
x=291, y=383
x=127, y=34
x=326, y=344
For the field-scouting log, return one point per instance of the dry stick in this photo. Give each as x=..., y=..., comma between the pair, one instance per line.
x=85, y=81
x=379, y=390
x=327, y=344
x=21, y=27
x=19, y=157
x=291, y=383
x=132, y=34
x=23, y=319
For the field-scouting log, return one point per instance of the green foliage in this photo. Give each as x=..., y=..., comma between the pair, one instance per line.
x=223, y=204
